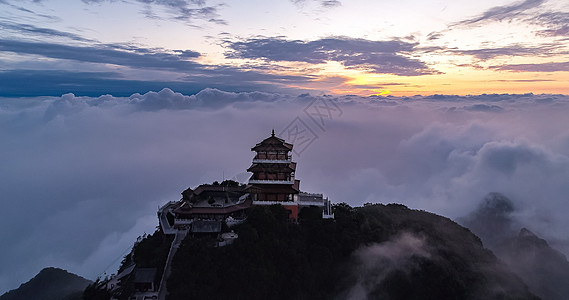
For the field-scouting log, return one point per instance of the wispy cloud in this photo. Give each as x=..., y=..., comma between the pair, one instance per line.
x=500, y=13
x=538, y=67
x=26, y=10
x=386, y=57
x=184, y=10
x=512, y=50
x=522, y=80
x=190, y=75
x=24, y=82
x=528, y=11
x=331, y=3
x=557, y=23
x=27, y=30
x=323, y=3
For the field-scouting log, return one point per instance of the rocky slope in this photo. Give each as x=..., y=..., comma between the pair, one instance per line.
x=544, y=269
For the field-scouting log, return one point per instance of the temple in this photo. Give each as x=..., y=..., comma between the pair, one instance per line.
x=273, y=180
x=205, y=208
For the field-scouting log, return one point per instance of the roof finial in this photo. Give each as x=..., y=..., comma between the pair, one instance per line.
x=273, y=134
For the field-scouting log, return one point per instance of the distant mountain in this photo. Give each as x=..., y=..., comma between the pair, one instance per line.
x=50, y=284
x=492, y=220
x=544, y=269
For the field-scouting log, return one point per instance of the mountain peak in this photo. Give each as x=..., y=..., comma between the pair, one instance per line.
x=526, y=233
x=50, y=284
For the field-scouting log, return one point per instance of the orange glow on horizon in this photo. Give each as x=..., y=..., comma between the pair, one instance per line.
x=463, y=82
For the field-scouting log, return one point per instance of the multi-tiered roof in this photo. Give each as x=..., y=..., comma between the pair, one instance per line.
x=273, y=180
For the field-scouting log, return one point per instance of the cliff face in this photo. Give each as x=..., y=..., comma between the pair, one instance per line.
x=372, y=252
x=50, y=284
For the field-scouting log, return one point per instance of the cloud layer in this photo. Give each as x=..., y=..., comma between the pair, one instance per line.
x=82, y=176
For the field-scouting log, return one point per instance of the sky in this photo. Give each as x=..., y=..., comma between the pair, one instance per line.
x=402, y=48
x=109, y=109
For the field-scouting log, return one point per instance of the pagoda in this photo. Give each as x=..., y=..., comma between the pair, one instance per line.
x=273, y=179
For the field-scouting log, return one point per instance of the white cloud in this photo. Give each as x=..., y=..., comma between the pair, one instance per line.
x=79, y=174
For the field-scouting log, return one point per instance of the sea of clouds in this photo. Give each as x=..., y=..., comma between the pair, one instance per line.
x=82, y=177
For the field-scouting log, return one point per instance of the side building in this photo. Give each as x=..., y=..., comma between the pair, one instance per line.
x=205, y=208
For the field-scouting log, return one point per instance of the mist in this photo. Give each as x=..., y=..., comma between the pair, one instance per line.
x=374, y=263
x=82, y=177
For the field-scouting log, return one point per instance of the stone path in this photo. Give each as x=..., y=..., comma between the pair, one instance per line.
x=180, y=235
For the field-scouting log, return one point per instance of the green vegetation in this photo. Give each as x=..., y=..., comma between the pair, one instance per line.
x=327, y=259
x=95, y=292
x=227, y=182
x=370, y=252
x=150, y=252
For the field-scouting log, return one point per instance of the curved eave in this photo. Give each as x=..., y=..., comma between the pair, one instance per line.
x=272, y=143
x=214, y=210
x=291, y=167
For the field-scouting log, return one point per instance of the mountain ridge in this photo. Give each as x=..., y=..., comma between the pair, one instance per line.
x=544, y=269
x=372, y=252
x=50, y=284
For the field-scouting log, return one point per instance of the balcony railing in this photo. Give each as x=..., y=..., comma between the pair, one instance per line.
x=183, y=221
x=261, y=202
x=312, y=203
x=265, y=181
x=271, y=161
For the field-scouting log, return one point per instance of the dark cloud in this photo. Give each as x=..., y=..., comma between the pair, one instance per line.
x=500, y=13
x=26, y=83
x=539, y=67
x=189, y=76
x=386, y=57
x=29, y=83
x=107, y=54
x=508, y=158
